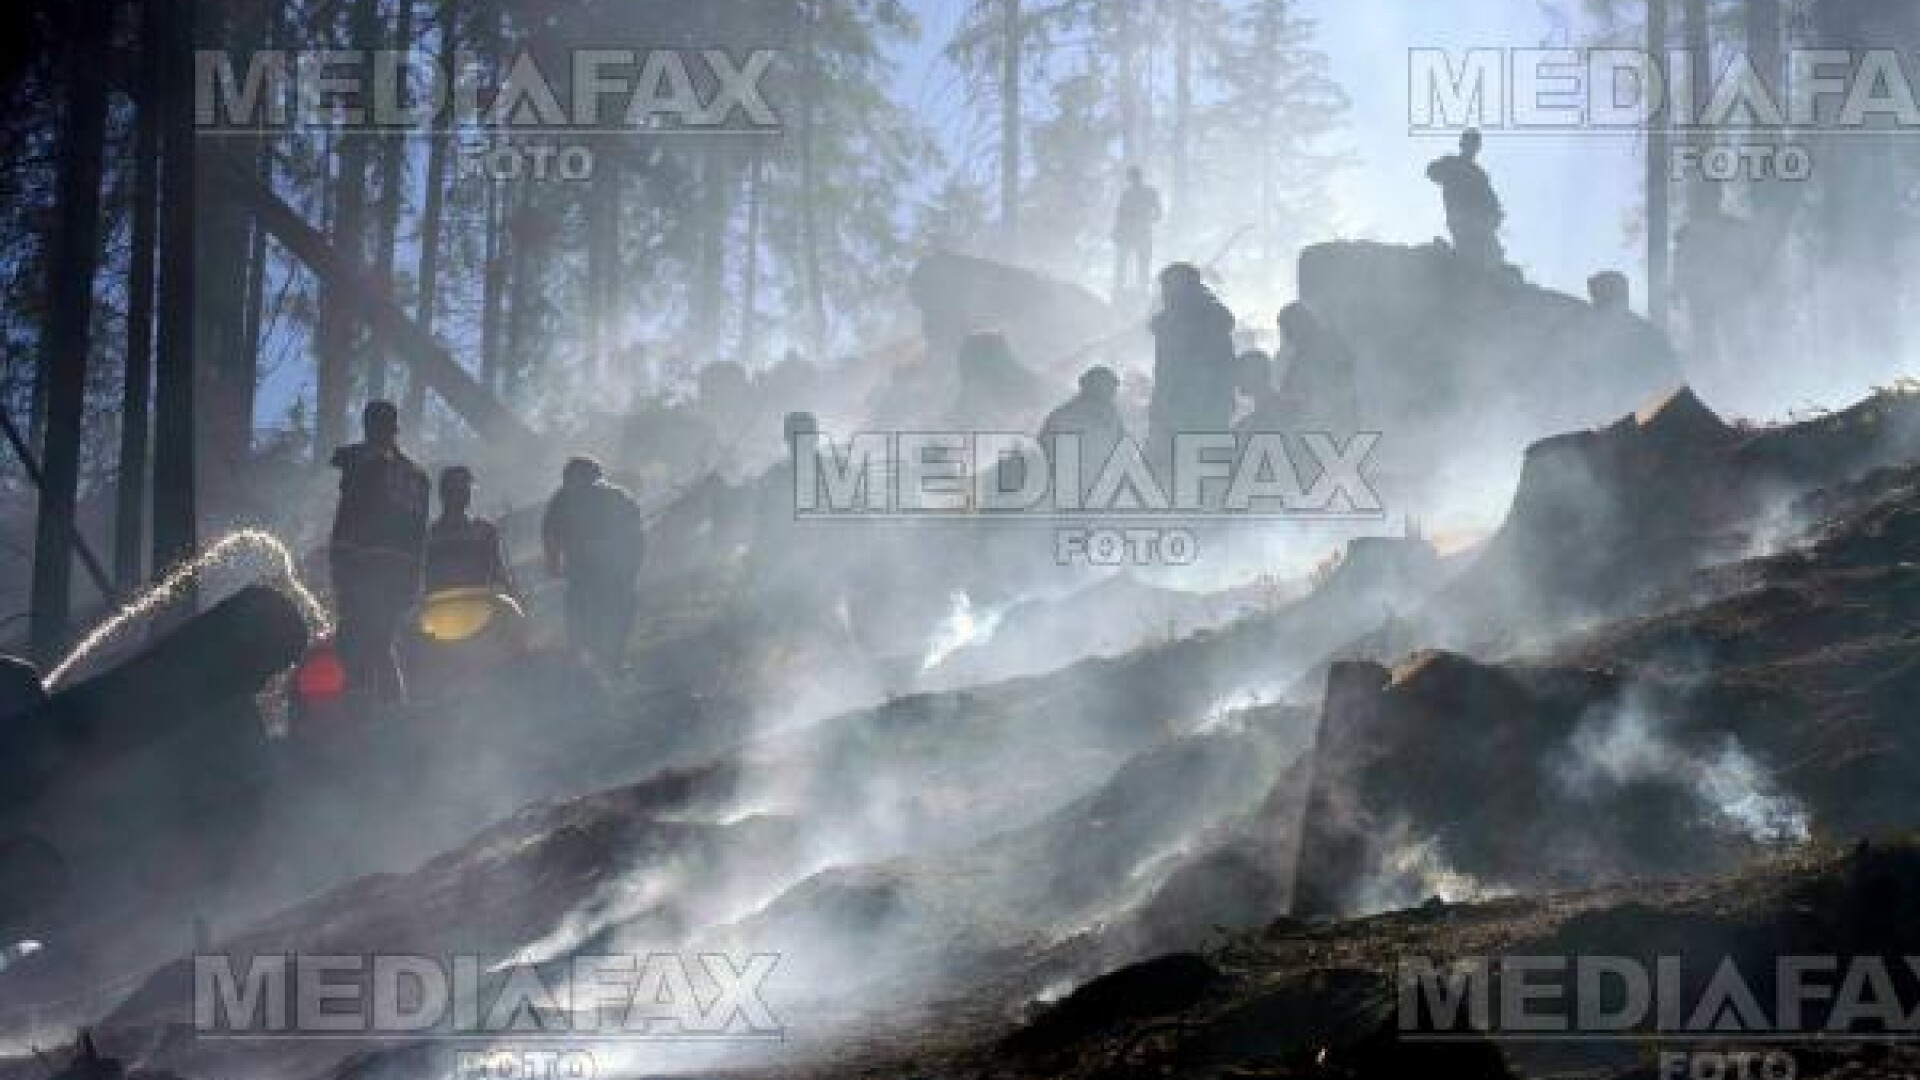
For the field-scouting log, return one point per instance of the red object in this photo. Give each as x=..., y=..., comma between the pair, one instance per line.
x=321, y=678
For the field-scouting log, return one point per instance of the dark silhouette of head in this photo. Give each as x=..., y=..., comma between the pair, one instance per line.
x=1133, y=175
x=1470, y=144
x=1180, y=282
x=1609, y=291
x=380, y=423
x=1100, y=383
x=456, y=490
x=802, y=432
x=581, y=472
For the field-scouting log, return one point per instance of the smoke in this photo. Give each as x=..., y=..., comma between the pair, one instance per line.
x=1412, y=869
x=963, y=627
x=1631, y=744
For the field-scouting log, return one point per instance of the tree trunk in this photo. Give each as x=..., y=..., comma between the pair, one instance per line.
x=334, y=335
x=175, y=485
x=520, y=287
x=1659, y=251
x=1129, y=89
x=493, y=286
x=749, y=347
x=254, y=310
x=1765, y=30
x=809, y=180
x=393, y=161
x=431, y=212
x=603, y=260
x=1182, y=107
x=136, y=386
x=76, y=257
x=1703, y=195
x=222, y=237
x=1011, y=49
x=253, y=330
x=710, y=280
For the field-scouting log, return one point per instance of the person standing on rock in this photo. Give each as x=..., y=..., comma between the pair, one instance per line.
x=1134, y=221
x=1474, y=214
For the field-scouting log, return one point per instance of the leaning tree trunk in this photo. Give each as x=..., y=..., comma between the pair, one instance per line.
x=76, y=257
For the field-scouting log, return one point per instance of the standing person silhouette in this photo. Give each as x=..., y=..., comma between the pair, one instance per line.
x=1135, y=218
x=377, y=551
x=1474, y=213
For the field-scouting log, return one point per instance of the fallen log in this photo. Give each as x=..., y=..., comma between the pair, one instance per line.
x=225, y=654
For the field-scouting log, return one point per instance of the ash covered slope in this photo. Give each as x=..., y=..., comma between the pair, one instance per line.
x=1072, y=786
x=1684, y=741
x=1296, y=1001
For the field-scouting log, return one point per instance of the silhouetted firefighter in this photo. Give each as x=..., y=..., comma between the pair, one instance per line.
x=1193, y=362
x=377, y=550
x=592, y=534
x=1134, y=219
x=1474, y=213
x=465, y=552
x=1093, y=418
x=1318, y=387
